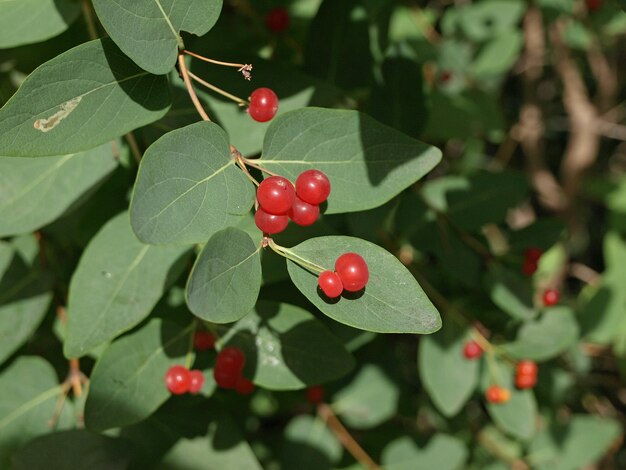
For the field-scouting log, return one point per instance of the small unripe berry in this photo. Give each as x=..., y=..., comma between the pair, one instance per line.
x=496, y=394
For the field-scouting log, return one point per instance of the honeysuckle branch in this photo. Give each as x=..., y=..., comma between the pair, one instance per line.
x=192, y=93
x=287, y=253
x=236, y=99
x=245, y=69
x=253, y=164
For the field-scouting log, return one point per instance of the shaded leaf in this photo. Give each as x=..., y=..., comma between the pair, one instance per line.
x=188, y=187
x=442, y=452
x=78, y=100
x=367, y=162
x=392, y=301
x=509, y=291
x=116, y=284
x=309, y=445
x=225, y=281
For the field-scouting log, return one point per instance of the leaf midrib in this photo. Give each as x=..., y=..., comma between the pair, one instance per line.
x=29, y=405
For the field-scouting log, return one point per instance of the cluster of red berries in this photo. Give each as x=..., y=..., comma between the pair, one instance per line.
x=351, y=274
x=179, y=380
x=531, y=260
x=228, y=371
x=279, y=201
x=472, y=350
x=263, y=104
x=497, y=394
x=526, y=374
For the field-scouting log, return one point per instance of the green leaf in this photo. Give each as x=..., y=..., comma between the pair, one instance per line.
x=498, y=55
x=287, y=348
x=547, y=337
x=128, y=381
x=148, y=31
x=24, y=299
x=64, y=449
x=442, y=452
x=489, y=18
x=509, y=291
x=367, y=162
x=222, y=448
x=518, y=416
x=36, y=191
x=78, y=100
x=309, y=445
x=30, y=391
x=448, y=377
x=392, y=301
x=580, y=443
x=370, y=399
x=226, y=278
x=116, y=284
x=28, y=21
x=188, y=187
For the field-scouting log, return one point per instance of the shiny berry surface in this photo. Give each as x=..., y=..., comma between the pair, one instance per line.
x=270, y=223
x=472, y=350
x=315, y=394
x=525, y=381
x=303, y=213
x=496, y=394
x=526, y=368
x=277, y=20
x=196, y=382
x=276, y=195
x=263, y=105
x=313, y=186
x=331, y=284
x=203, y=341
x=551, y=297
x=178, y=380
x=353, y=272
x=244, y=386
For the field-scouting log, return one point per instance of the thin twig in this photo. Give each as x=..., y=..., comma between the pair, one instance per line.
x=134, y=147
x=236, y=99
x=327, y=415
x=192, y=93
x=89, y=20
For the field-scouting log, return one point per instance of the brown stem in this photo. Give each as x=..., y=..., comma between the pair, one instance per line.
x=326, y=413
x=134, y=147
x=236, y=99
x=192, y=93
x=89, y=20
x=258, y=167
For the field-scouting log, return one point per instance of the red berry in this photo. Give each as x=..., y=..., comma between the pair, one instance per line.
x=270, y=223
x=527, y=368
x=203, y=340
x=313, y=186
x=276, y=195
x=352, y=270
x=472, y=350
x=532, y=254
x=224, y=378
x=445, y=76
x=303, y=213
x=178, y=380
x=244, y=386
x=497, y=394
x=315, y=394
x=263, y=104
x=529, y=267
x=277, y=20
x=551, y=297
x=197, y=381
x=525, y=381
x=331, y=284
x=228, y=367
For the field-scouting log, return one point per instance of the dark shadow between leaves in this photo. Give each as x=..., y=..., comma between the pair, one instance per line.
x=303, y=456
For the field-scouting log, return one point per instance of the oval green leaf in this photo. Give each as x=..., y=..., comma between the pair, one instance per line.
x=79, y=100
x=367, y=162
x=226, y=278
x=510, y=291
x=287, y=348
x=19, y=17
x=116, y=284
x=148, y=31
x=448, y=377
x=442, y=452
x=128, y=381
x=392, y=301
x=36, y=191
x=188, y=187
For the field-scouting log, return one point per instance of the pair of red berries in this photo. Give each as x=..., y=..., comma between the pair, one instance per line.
x=279, y=201
x=179, y=380
x=531, y=260
x=263, y=104
x=497, y=394
x=526, y=374
x=351, y=274
x=228, y=371
x=472, y=350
